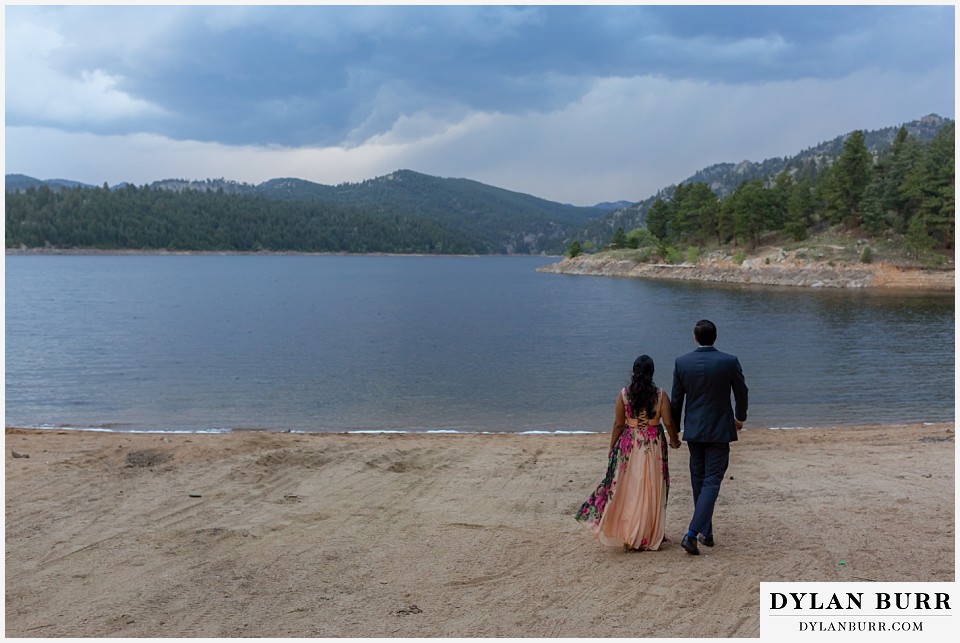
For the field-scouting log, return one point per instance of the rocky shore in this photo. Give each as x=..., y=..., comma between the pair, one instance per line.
x=772, y=267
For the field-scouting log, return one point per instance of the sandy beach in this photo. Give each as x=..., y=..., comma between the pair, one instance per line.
x=385, y=535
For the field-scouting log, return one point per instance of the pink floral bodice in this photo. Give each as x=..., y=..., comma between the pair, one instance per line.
x=652, y=429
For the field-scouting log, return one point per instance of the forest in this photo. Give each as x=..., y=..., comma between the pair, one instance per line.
x=403, y=212
x=148, y=218
x=907, y=192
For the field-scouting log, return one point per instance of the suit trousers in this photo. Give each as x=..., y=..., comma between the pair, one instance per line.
x=708, y=464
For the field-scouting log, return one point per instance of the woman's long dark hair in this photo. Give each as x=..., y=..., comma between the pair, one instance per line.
x=642, y=392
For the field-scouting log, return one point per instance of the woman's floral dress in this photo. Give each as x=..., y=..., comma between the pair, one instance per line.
x=629, y=506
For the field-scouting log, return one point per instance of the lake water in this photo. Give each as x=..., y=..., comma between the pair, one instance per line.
x=347, y=343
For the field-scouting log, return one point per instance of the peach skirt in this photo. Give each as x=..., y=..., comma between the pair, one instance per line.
x=629, y=506
x=636, y=514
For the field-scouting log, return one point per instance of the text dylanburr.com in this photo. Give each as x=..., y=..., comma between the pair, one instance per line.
x=858, y=611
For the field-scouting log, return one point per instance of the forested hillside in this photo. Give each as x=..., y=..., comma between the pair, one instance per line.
x=402, y=212
x=496, y=219
x=875, y=184
x=156, y=219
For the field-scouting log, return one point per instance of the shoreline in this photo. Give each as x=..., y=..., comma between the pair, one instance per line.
x=427, y=432
x=94, y=252
x=258, y=534
x=774, y=268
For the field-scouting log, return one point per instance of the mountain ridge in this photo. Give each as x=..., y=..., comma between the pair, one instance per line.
x=724, y=178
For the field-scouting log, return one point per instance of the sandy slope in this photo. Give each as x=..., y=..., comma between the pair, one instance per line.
x=443, y=535
x=769, y=266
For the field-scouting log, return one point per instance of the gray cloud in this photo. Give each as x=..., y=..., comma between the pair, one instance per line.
x=544, y=99
x=322, y=75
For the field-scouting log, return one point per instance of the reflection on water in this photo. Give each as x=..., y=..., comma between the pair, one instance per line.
x=348, y=343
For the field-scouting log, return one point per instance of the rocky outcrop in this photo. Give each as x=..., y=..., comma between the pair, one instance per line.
x=780, y=268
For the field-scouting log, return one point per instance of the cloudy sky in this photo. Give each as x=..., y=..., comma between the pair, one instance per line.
x=577, y=104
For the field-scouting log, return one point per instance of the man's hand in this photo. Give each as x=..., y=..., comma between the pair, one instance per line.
x=739, y=424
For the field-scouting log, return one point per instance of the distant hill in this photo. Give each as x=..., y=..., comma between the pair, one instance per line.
x=614, y=205
x=500, y=220
x=22, y=182
x=724, y=178
x=489, y=219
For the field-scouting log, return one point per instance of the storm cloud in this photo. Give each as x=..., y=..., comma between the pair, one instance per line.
x=572, y=103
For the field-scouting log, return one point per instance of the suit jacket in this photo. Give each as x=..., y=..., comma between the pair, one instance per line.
x=704, y=379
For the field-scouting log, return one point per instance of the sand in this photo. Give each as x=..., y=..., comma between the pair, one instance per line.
x=322, y=535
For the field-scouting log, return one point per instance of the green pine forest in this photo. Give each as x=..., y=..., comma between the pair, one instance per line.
x=147, y=218
x=904, y=195
x=404, y=212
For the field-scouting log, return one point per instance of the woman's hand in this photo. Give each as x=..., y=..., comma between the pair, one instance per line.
x=675, y=443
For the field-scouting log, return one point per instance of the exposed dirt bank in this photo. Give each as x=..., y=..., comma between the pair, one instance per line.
x=772, y=266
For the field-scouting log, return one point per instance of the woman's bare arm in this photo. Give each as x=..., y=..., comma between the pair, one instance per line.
x=667, y=416
x=620, y=419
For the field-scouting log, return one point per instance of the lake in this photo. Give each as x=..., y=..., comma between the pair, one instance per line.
x=413, y=343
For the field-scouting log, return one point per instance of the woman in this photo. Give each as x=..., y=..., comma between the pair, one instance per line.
x=629, y=506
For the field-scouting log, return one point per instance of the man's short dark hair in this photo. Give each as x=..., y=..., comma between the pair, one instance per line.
x=705, y=332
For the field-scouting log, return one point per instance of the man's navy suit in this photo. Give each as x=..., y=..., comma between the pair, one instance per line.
x=703, y=381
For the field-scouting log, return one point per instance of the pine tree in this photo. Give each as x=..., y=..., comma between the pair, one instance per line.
x=657, y=219
x=750, y=205
x=619, y=239
x=939, y=204
x=799, y=210
x=782, y=191
x=871, y=206
x=918, y=236
x=705, y=209
x=847, y=180
x=895, y=166
x=678, y=220
x=726, y=230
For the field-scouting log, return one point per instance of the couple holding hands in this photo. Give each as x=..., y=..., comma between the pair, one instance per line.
x=629, y=505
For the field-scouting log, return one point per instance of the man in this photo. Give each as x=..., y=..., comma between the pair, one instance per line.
x=704, y=379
